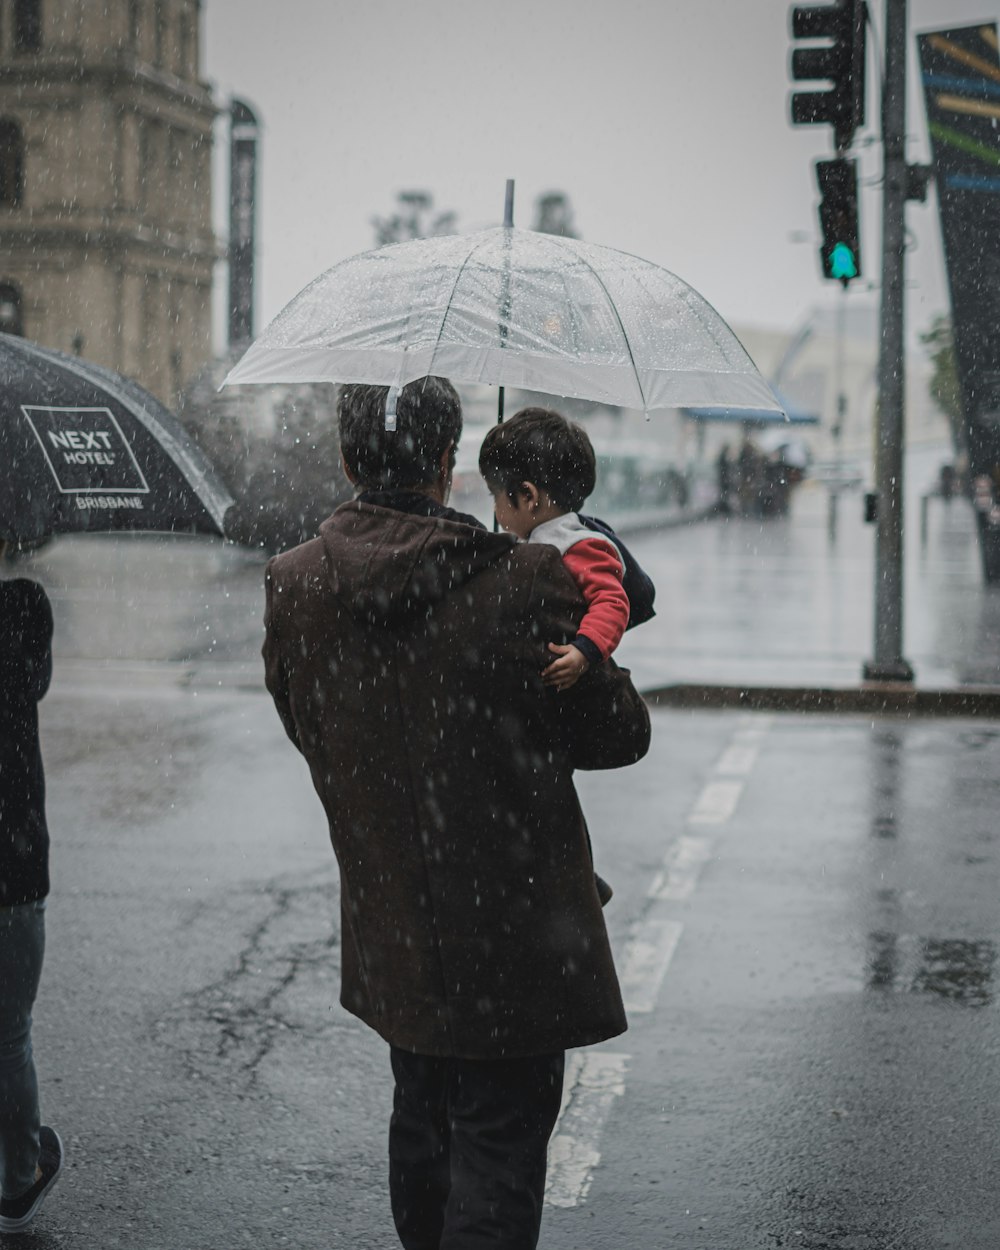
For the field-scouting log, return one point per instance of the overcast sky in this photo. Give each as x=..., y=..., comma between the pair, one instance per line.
x=665, y=121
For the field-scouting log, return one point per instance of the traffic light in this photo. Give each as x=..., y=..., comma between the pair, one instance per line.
x=840, y=60
x=838, y=218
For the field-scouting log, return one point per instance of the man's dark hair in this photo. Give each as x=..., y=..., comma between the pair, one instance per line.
x=539, y=445
x=428, y=418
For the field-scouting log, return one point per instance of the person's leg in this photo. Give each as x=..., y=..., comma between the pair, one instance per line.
x=418, y=1149
x=501, y=1114
x=22, y=946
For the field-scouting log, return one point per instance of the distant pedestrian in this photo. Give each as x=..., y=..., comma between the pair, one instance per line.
x=402, y=658
x=724, y=479
x=31, y=1154
x=750, y=465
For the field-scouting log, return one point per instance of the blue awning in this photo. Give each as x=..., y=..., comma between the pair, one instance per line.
x=793, y=414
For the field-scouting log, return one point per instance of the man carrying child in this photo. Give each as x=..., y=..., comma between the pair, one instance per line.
x=404, y=650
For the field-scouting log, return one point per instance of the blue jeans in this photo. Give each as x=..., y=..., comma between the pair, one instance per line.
x=22, y=946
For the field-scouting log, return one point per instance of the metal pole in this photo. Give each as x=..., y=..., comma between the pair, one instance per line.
x=508, y=222
x=888, y=663
x=242, y=220
x=838, y=422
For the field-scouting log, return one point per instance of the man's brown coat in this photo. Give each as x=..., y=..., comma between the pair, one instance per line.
x=403, y=653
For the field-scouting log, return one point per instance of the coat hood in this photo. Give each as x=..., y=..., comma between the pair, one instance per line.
x=386, y=565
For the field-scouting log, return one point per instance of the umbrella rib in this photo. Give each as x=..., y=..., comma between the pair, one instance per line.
x=451, y=298
x=614, y=309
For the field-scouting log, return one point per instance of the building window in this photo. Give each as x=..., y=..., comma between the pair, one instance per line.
x=184, y=46
x=11, y=163
x=134, y=23
x=11, y=314
x=27, y=25
x=175, y=151
x=159, y=31
x=143, y=162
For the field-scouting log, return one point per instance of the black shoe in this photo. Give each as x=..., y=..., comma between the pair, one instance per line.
x=17, y=1213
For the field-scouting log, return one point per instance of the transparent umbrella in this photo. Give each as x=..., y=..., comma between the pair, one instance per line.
x=510, y=307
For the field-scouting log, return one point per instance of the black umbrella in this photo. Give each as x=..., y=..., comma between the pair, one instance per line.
x=82, y=448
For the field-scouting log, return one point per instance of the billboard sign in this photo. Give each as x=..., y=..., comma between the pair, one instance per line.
x=961, y=79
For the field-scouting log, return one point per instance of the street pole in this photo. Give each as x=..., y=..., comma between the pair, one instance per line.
x=888, y=663
x=838, y=425
x=508, y=222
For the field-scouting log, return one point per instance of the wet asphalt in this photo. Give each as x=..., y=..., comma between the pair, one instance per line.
x=819, y=1067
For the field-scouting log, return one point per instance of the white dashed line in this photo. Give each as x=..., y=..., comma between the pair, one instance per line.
x=646, y=962
x=754, y=728
x=738, y=759
x=716, y=803
x=681, y=868
x=594, y=1079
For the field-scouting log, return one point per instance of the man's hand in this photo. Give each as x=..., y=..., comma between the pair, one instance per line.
x=568, y=669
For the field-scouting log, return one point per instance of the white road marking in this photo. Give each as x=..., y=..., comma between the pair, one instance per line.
x=594, y=1079
x=574, y=1066
x=716, y=803
x=753, y=728
x=738, y=759
x=681, y=868
x=647, y=958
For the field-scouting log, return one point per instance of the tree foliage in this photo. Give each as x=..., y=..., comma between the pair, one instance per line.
x=554, y=215
x=944, y=385
x=415, y=217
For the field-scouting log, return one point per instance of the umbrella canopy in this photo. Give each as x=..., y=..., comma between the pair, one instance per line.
x=511, y=308
x=82, y=448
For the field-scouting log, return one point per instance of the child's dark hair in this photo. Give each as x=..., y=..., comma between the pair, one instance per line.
x=539, y=445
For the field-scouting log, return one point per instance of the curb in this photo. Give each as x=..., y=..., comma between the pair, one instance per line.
x=883, y=698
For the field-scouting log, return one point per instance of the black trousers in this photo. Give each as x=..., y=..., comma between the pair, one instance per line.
x=467, y=1147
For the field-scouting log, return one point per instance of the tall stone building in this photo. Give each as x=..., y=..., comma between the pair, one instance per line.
x=106, y=241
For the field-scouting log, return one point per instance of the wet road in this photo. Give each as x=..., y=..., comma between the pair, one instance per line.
x=768, y=602
x=804, y=920
x=818, y=1067
x=813, y=1063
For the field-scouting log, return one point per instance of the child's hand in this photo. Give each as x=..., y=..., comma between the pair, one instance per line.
x=568, y=669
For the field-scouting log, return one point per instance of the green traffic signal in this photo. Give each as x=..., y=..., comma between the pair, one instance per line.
x=843, y=263
x=840, y=253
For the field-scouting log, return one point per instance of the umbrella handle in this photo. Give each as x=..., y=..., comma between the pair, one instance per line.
x=390, y=408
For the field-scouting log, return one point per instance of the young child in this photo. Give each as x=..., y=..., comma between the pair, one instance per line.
x=540, y=468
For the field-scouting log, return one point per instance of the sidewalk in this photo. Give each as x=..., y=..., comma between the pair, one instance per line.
x=776, y=607
x=750, y=612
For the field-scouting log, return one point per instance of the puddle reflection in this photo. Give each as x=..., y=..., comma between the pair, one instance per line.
x=886, y=758
x=957, y=969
